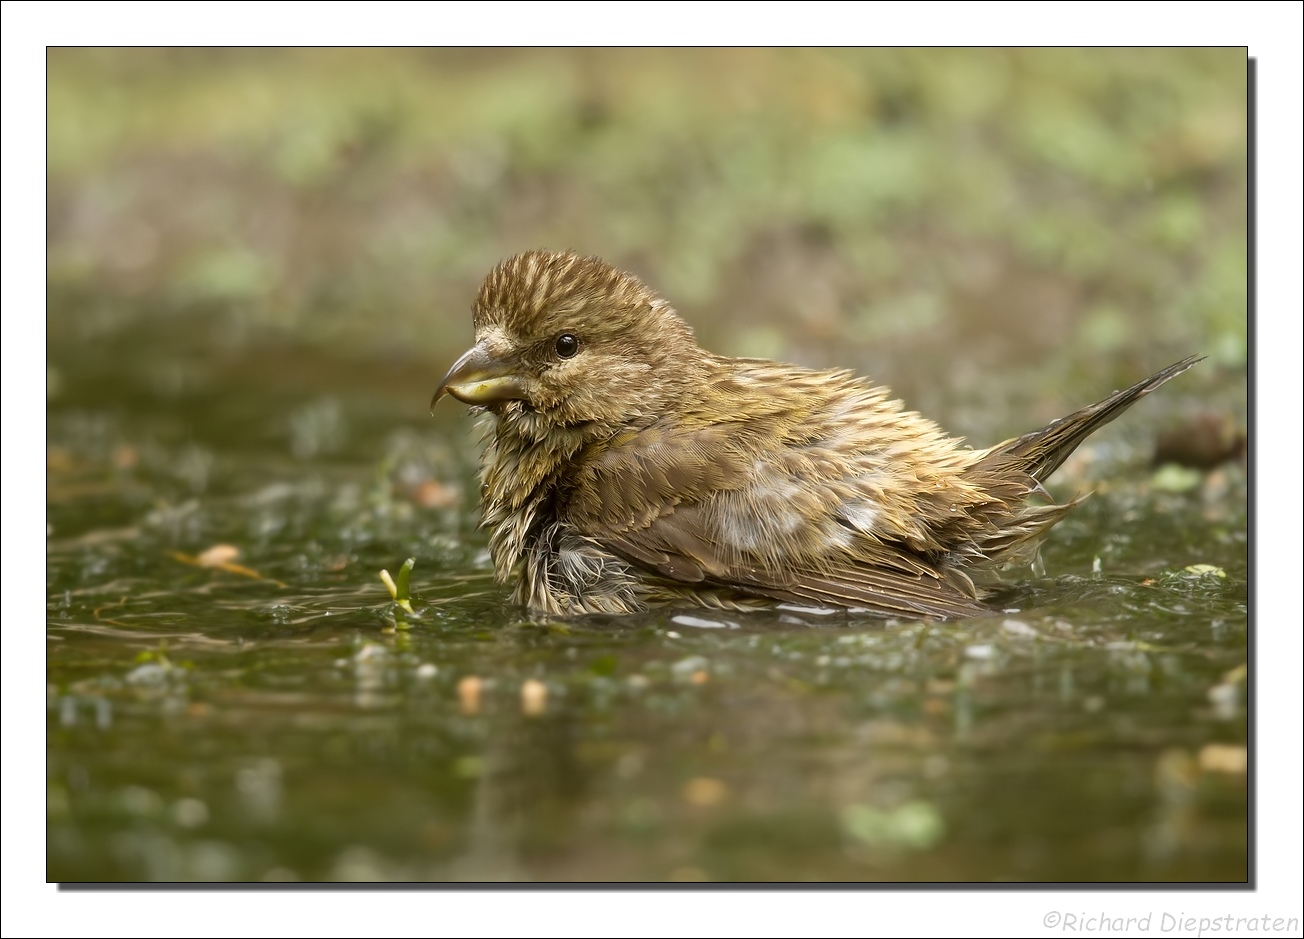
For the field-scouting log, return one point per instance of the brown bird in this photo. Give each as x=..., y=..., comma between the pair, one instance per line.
x=626, y=467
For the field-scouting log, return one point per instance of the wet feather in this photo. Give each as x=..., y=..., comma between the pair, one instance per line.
x=626, y=467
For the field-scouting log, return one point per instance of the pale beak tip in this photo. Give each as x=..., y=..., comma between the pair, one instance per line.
x=439, y=393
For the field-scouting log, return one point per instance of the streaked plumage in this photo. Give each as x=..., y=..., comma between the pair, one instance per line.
x=627, y=467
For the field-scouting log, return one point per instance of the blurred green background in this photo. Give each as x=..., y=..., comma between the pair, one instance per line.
x=936, y=218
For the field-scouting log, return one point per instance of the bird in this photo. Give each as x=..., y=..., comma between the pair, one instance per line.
x=625, y=468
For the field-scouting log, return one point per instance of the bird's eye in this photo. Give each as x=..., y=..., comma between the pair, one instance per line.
x=567, y=345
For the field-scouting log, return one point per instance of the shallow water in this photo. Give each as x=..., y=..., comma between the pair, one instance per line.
x=266, y=720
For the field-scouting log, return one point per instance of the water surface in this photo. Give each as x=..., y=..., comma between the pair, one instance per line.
x=270, y=717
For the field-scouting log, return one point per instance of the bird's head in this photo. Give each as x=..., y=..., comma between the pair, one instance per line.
x=564, y=341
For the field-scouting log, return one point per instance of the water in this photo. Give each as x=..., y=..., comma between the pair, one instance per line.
x=260, y=712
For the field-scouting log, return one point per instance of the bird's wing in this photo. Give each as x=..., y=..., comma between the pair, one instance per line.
x=705, y=507
x=882, y=586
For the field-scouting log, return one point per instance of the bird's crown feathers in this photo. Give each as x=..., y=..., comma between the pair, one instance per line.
x=538, y=291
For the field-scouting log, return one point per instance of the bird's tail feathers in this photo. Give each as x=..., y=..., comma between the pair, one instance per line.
x=1043, y=451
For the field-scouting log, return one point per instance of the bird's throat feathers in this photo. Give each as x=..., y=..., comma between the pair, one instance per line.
x=520, y=473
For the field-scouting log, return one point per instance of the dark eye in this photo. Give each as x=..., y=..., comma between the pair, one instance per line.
x=567, y=345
